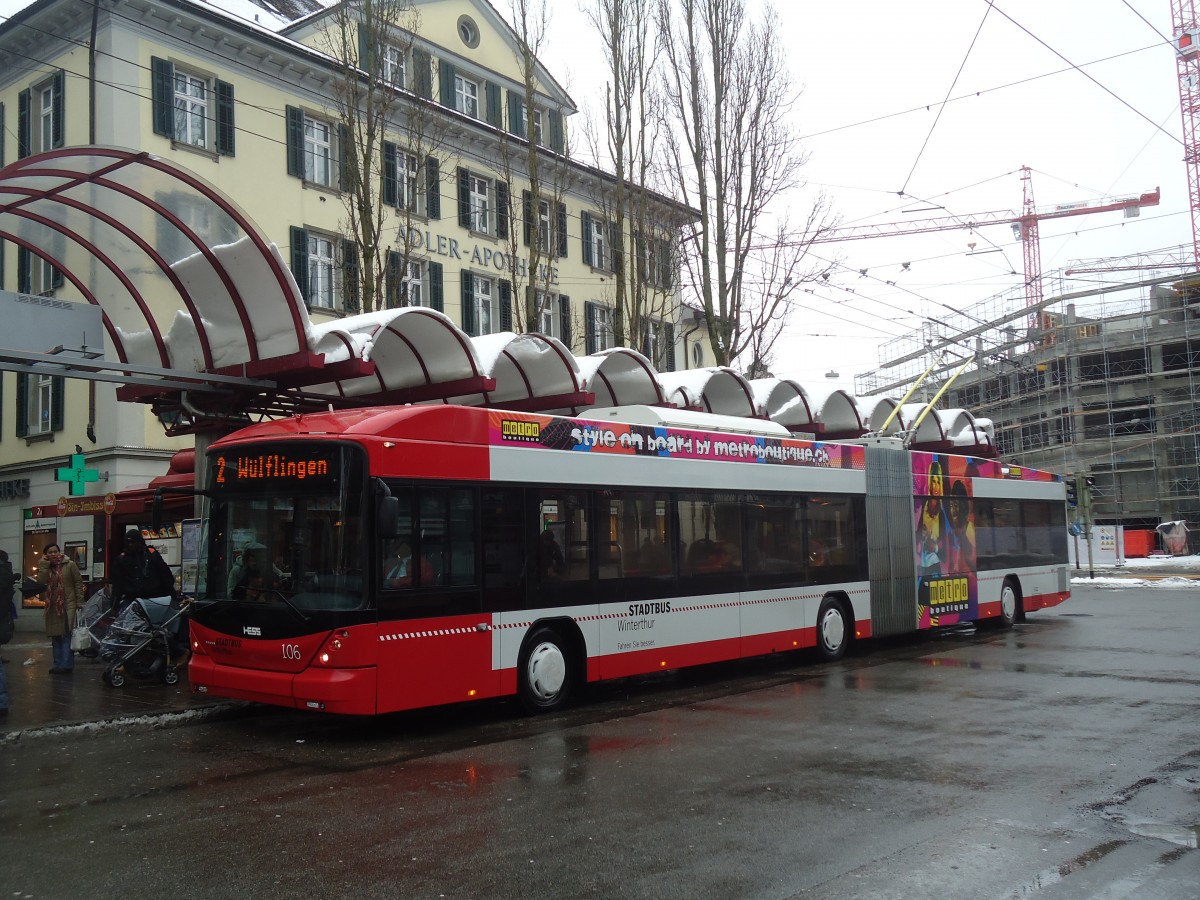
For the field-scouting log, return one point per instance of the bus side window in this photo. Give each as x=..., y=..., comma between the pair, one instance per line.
x=391, y=550
x=503, y=546
x=562, y=545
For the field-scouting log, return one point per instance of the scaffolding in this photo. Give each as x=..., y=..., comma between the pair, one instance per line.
x=1099, y=378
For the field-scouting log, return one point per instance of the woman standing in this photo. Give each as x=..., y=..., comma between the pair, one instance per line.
x=64, y=597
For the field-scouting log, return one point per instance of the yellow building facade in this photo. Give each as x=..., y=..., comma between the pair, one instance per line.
x=255, y=106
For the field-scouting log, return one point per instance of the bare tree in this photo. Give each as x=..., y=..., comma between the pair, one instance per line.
x=388, y=130
x=643, y=291
x=735, y=157
x=541, y=221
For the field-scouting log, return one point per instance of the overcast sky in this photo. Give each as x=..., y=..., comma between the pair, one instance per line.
x=1084, y=92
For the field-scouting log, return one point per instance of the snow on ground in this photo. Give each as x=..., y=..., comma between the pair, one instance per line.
x=1156, y=571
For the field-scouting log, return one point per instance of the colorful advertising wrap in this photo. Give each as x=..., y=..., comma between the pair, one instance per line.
x=506, y=429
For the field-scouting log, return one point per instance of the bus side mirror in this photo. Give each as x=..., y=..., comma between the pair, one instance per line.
x=387, y=517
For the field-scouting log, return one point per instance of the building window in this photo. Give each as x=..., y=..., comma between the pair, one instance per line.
x=45, y=95
x=39, y=410
x=394, y=68
x=656, y=262
x=543, y=223
x=36, y=275
x=40, y=117
x=323, y=288
x=468, y=31
x=549, y=315
x=653, y=343
x=320, y=152
x=412, y=288
x=191, y=109
x=484, y=303
x=466, y=96
x=479, y=207
x=599, y=328
x=598, y=239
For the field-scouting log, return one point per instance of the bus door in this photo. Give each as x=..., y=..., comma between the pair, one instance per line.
x=891, y=541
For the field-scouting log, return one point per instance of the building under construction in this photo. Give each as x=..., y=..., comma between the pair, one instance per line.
x=1100, y=378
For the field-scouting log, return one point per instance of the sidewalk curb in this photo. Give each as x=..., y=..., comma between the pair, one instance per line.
x=167, y=718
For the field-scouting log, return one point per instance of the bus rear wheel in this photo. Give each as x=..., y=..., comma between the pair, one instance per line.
x=1010, y=604
x=544, y=672
x=833, y=630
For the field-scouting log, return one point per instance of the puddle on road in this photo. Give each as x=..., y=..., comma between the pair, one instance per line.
x=1048, y=877
x=1183, y=835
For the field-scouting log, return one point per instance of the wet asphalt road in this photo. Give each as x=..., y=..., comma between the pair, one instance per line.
x=1060, y=759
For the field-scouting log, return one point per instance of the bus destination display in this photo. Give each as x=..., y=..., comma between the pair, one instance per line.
x=275, y=467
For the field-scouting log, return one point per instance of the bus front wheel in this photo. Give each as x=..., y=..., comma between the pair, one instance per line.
x=544, y=672
x=1010, y=604
x=833, y=630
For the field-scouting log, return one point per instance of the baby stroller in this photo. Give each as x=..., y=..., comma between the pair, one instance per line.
x=96, y=616
x=142, y=641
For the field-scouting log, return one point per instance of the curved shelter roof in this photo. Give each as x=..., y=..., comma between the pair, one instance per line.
x=717, y=389
x=418, y=354
x=618, y=377
x=178, y=269
x=531, y=372
x=784, y=401
x=839, y=415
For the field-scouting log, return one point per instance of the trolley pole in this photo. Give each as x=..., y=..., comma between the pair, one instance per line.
x=1084, y=488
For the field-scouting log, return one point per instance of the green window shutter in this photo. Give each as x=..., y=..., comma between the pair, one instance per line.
x=527, y=210
x=225, y=126
x=495, y=104
x=58, y=402
x=423, y=73
x=295, y=141
x=561, y=222
x=24, y=123
x=162, y=96
x=564, y=322
x=468, y=304
x=589, y=327
x=586, y=227
x=516, y=114
x=505, y=305
x=446, y=83
x=665, y=274
x=57, y=101
x=391, y=193
x=56, y=278
x=22, y=404
x=615, y=256
x=24, y=271
x=2, y=134
x=393, y=280
x=433, y=188
x=436, y=297
x=502, y=209
x=557, y=138
x=299, y=240
x=368, y=55
x=351, y=282
x=347, y=159
x=464, y=198
x=669, y=337
x=1, y=256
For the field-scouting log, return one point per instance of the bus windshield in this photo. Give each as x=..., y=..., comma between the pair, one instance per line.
x=286, y=528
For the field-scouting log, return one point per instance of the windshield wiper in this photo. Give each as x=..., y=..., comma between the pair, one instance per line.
x=288, y=603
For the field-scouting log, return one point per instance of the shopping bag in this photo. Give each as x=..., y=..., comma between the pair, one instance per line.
x=81, y=638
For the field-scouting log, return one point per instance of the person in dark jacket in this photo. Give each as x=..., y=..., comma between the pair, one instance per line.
x=8, y=617
x=140, y=571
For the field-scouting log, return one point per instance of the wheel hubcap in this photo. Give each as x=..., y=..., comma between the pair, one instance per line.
x=833, y=630
x=1008, y=602
x=547, y=671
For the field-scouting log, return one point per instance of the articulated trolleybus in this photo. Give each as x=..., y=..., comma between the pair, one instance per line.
x=388, y=558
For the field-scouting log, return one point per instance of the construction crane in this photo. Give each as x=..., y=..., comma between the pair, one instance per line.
x=1187, y=64
x=1025, y=225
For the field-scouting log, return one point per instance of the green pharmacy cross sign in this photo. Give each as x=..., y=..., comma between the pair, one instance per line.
x=77, y=474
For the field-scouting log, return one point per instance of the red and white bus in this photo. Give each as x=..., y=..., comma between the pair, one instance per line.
x=388, y=558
